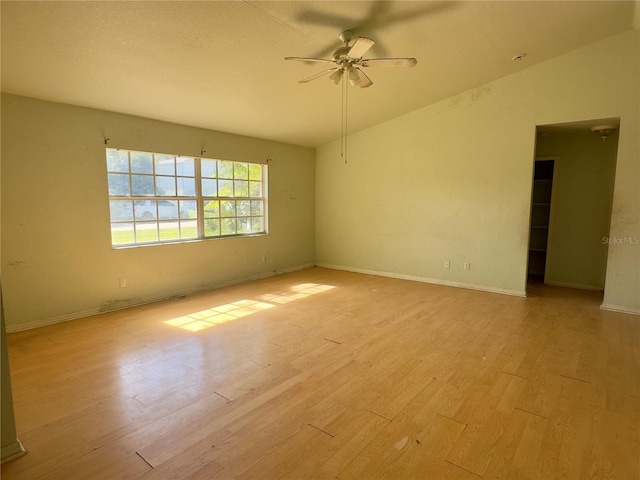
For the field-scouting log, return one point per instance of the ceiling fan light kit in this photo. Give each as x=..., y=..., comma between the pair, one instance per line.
x=354, y=78
x=336, y=76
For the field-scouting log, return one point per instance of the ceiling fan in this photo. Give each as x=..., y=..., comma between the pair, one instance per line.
x=348, y=60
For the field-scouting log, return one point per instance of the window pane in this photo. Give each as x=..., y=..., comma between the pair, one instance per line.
x=243, y=208
x=212, y=209
x=188, y=209
x=255, y=172
x=188, y=229
x=244, y=225
x=209, y=187
x=225, y=169
x=255, y=189
x=142, y=185
x=121, y=210
x=225, y=188
x=167, y=209
x=257, y=208
x=185, y=166
x=257, y=224
x=169, y=231
x=165, y=165
x=141, y=162
x=208, y=168
x=241, y=188
x=165, y=186
x=212, y=227
x=227, y=208
x=122, y=233
x=145, y=209
x=241, y=171
x=146, y=232
x=117, y=160
x=228, y=226
x=186, y=187
x=119, y=184
x=154, y=198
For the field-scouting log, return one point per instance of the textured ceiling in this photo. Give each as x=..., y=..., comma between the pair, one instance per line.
x=219, y=65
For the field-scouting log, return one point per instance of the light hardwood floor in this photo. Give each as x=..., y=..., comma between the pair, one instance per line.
x=333, y=375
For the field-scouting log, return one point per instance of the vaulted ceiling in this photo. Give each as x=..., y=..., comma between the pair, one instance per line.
x=220, y=64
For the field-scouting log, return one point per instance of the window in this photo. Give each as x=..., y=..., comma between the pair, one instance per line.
x=159, y=198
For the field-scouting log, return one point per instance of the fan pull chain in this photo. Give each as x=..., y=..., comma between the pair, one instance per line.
x=344, y=126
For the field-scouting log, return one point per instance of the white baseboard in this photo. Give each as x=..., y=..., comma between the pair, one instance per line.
x=12, y=451
x=146, y=300
x=435, y=281
x=578, y=286
x=621, y=309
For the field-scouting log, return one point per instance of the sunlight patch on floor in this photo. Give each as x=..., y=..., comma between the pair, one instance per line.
x=228, y=312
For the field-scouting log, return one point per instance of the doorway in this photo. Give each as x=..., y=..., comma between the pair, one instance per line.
x=571, y=202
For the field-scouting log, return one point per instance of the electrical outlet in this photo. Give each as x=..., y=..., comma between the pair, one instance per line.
x=123, y=282
x=447, y=264
x=467, y=266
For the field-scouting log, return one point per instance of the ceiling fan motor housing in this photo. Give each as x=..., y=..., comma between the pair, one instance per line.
x=341, y=56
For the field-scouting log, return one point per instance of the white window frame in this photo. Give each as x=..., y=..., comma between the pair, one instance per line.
x=256, y=218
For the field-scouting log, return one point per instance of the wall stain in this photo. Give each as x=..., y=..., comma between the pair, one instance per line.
x=469, y=97
x=479, y=92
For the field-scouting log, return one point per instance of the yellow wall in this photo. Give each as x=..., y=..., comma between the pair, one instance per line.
x=57, y=258
x=452, y=181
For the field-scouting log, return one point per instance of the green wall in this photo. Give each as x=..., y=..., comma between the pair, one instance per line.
x=57, y=258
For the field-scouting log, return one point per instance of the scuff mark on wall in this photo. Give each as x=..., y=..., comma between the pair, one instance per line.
x=109, y=305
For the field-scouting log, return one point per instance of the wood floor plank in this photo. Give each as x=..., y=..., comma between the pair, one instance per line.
x=605, y=454
x=497, y=461
x=405, y=429
x=314, y=454
x=104, y=463
x=425, y=453
x=489, y=442
x=527, y=454
x=333, y=375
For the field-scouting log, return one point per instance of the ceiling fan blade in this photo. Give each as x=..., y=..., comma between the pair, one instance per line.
x=316, y=17
x=384, y=16
x=388, y=62
x=304, y=59
x=364, y=80
x=360, y=47
x=318, y=75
